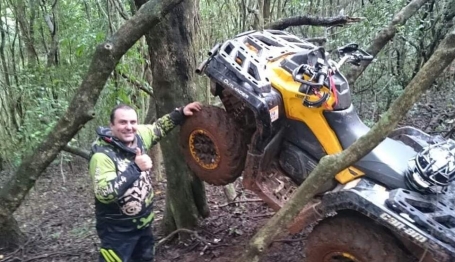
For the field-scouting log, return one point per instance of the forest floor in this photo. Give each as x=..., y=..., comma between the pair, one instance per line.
x=58, y=219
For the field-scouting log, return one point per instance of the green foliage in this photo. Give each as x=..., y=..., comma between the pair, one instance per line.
x=35, y=93
x=39, y=93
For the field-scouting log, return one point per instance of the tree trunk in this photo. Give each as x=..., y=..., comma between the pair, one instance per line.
x=2, y=52
x=266, y=12
x=27, y=29
x=80, y=111
x=332, y=164
x=10, y=235
x=172, y=68
x=52, y=23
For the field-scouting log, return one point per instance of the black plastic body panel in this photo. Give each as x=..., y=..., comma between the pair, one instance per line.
x=369, y=199
x=386, y=163
x=299, y=134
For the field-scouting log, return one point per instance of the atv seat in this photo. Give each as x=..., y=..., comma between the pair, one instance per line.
x=386, y=163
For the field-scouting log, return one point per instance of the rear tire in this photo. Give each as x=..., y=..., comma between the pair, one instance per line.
x=212, y=146
x=352, y=239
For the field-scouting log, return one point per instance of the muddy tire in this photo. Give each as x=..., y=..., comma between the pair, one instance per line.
x=212, y=146
x=352, y=239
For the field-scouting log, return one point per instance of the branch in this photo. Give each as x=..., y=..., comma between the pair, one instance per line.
x=120, y=9
x=384, y=36
x=81, y=109
x=312, y=20
x=136, y=84
x=77, y=151
x=49, y=23
x=330, y=165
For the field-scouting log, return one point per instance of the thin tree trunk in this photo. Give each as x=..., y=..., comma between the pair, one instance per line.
x=266, y=10
x=52, y=23
x=332, y=164
x=13, y=57
x=26, y=29
x=2, y=51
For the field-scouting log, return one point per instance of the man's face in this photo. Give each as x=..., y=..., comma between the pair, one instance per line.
x=125, y=125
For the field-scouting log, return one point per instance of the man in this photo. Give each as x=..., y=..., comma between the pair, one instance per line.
x=120, y=169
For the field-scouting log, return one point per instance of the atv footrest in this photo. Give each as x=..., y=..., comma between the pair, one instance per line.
x=432, y=213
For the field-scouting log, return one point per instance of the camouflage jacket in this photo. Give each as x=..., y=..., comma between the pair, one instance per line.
x=124, y=194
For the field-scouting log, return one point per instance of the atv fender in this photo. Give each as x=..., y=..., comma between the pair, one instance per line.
x=366, y=198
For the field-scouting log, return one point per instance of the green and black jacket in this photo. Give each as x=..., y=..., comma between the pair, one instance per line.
x=124, y=194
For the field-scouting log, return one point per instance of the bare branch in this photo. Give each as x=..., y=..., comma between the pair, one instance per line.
x=77, y=151
x=120, y=9
x=136, y=84
x=312, y=20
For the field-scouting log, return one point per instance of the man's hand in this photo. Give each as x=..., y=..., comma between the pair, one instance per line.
x=142, y=161
x=192, y=107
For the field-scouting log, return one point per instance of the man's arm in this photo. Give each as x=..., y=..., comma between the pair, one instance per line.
x=108, y=186
x=152, y=134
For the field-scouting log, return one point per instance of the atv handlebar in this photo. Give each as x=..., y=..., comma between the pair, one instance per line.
x=322, y=68
x=350, y=53
x=353, y=54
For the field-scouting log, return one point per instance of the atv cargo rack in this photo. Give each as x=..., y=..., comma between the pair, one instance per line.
x=247, y=55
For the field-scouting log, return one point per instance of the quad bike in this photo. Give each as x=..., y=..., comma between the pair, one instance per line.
x=286, y=105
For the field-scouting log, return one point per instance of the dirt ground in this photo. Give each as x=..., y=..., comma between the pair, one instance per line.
x=58, y=219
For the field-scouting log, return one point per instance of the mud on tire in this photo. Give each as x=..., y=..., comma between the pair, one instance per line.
x=212, y=146
x=352, y=238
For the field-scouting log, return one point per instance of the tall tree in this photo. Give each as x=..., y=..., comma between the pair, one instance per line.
x=172, y=65
x=26, y=25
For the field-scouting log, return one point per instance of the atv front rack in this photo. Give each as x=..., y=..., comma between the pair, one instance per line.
x=247, y=55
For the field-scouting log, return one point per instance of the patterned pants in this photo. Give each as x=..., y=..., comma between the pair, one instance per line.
x=137, y=246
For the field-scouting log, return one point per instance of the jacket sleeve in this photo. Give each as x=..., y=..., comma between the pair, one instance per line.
x=108, y=185
x=152, y=134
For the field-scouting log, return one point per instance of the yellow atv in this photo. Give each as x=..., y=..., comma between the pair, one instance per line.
x=286, y=105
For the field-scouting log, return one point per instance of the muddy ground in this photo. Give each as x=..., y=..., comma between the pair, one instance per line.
x=58, y=218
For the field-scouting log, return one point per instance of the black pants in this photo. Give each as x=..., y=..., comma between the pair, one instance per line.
x=136, y=246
